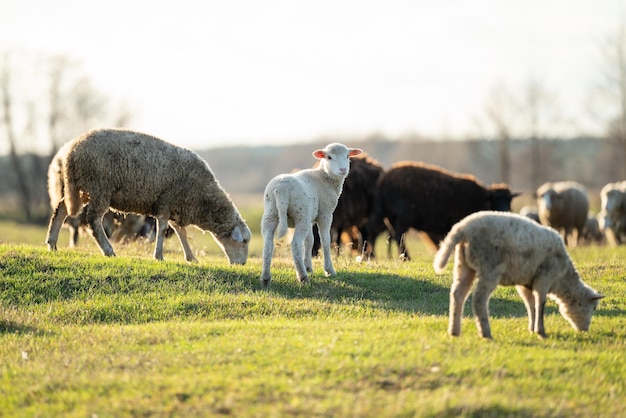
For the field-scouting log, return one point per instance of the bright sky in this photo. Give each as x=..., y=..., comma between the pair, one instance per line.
x=209, y=73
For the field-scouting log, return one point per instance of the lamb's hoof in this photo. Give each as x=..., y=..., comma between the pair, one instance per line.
x=52, y=247
x=266, y=282
x=330, y=273
x=304, y=280
x=309, y=269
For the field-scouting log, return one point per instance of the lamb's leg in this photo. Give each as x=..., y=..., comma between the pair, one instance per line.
x=487, y=283
x=297, y=246
x=461, y=287
x=94, y=219
x=324, y=230
x=308, y=251
x=162, y=223
x=56, y=221
x=181, y=233
x=74, y=229
x=529, y=302
x=268, y=228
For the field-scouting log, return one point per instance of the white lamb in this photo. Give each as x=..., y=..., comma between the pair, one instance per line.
x=496, y=248
x=132, y=172
x=613, y=212
x=300, y=199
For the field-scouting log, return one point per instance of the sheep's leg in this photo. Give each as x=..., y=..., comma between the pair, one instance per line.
x=324, y=230
x=485, y=286
x=162, y=223
x=540, y=304
x=297, y=246
x=461, y=286
x=181, y=233
x=400, y=237
x=268, y=228
x=56, y=221
x=308, y=251
x=94, y=220
x=529, y=302
x=74, y=229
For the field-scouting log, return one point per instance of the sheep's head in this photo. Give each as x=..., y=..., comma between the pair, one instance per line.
x=499, y=197
x=578, y=312
x=335, y=158
x=235, y=244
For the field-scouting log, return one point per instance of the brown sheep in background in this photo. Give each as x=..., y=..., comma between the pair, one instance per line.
x=429, y=199
x=564, y=206
x=355, y=203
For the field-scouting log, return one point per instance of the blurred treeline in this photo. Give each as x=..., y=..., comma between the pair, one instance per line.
x=523, y=135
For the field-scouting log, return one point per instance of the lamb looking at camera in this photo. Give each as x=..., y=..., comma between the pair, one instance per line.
x=495, y=248
x=299, y=200
x=133, y=172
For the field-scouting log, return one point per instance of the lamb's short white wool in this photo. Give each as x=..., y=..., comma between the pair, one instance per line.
x=298, y=200
x=496, y=248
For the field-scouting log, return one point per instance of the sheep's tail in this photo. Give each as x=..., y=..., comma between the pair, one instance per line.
x=73, y=201
x=281, y=207
x=455, y=236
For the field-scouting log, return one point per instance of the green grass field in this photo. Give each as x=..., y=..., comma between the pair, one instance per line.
x=82, y=335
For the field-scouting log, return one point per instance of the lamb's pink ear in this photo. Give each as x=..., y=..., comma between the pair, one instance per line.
x=354, y=151
x=319, y=154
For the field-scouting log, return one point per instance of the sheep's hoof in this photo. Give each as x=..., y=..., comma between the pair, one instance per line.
x=330, y=273
x=266, y=282
x=52, y=247
x=304, y=280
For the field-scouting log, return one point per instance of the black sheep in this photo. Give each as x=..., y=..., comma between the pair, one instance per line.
x=431, y=200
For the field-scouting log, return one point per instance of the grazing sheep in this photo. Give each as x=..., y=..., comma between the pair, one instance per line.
x=592, y=234
x=613, y=211
x=56, y=193
x=300, y=199
x=431, y=200
x=564, y=206
x=134, y=172
x=355, y=203
x=495, y=248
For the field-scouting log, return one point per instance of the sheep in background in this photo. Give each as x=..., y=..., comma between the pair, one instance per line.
x=564, y=206
x=429, y=199
x=592, y=234
x=355, y=203
x=300, y=199
x=531, y=212
x=613, y=212
x=133, y=172
x=495, y=248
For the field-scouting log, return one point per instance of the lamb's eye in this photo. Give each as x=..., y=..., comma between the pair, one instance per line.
x=329, y=157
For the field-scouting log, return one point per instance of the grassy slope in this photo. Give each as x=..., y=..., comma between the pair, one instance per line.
x=81, y=334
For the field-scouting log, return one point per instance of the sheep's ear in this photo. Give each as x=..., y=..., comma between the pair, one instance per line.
x=319, y=154
x=515, y=194
x=354, y=152
x=597, y=297
x=236, y=235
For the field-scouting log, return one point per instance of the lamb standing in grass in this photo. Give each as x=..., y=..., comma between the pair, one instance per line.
x=134, y=172
x=300, y=199
x=495, y=248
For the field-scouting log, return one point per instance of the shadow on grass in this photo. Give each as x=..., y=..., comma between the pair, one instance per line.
x=11, y=327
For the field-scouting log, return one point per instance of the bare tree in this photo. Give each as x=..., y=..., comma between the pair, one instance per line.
x=9, y=128
x=500, y=112
x=610, y=97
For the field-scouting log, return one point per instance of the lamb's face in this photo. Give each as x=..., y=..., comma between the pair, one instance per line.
x=335, y=159
x=235, y=245
x=580, y=311
x=611, y=199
